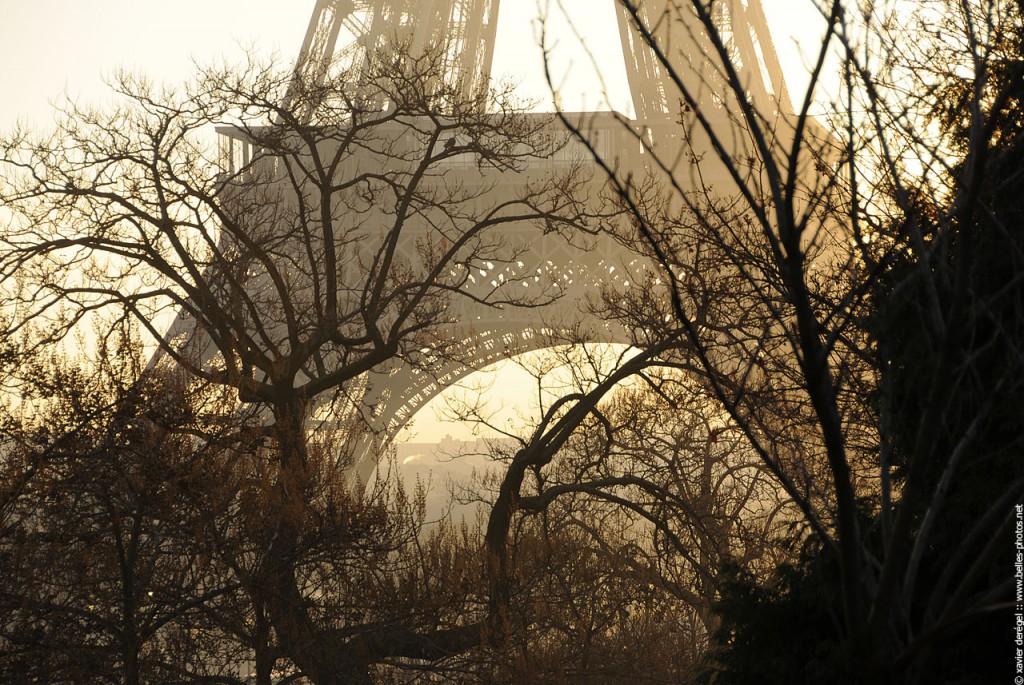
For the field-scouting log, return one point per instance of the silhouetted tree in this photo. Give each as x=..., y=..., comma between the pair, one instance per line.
x=782, y=251
x=104, y=576
x=330, y=244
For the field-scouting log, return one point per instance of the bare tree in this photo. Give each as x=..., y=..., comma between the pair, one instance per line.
x=104, y=577
x=332, y=239
x=783, y=251
x=654, y=490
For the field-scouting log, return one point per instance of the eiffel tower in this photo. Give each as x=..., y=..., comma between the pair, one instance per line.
x=465, y=32
x=350, y=32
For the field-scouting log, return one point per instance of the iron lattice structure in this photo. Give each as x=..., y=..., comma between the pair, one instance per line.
x=463, y=30
x=347, y=34
x=673, y=30
x=350, y=31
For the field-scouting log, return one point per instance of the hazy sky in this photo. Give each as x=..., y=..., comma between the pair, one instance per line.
x=49, y=47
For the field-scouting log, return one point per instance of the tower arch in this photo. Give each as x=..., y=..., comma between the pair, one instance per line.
x=672, y=74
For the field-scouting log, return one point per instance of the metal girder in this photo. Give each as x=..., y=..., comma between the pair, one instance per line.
x=462, y=31
x=677, y=31
x=318, y=47
x=481, y=336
